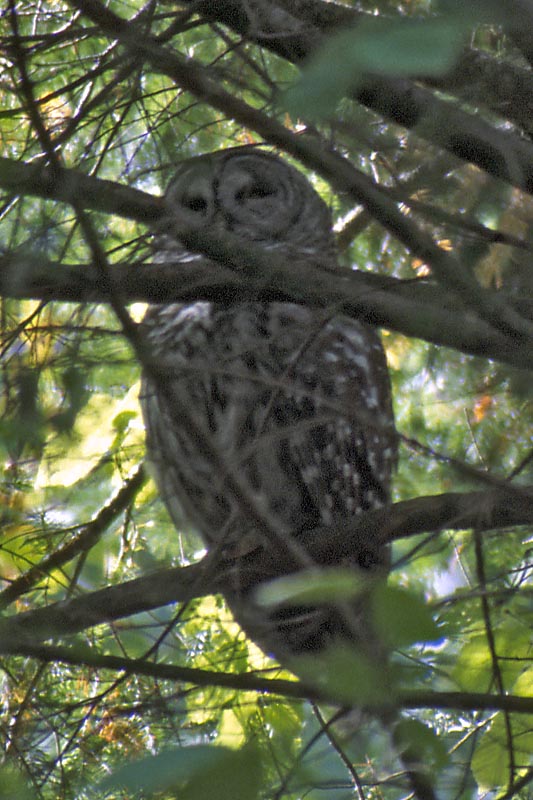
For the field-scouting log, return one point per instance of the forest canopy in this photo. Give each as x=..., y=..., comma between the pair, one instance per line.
x=123, y=673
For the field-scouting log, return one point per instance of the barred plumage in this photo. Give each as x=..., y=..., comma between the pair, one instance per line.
x=294, y=401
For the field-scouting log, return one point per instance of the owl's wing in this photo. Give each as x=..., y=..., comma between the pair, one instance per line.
x=347, y=457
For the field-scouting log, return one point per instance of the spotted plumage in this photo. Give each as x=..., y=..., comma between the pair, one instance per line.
x=294, y=401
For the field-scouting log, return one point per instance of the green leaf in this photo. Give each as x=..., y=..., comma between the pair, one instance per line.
x=310, y=587
x=401, y=618
x=490, y=764
x=415, y=738
x=347, y=676
x=410, y=46
x=473, y=669
x=122, y=420
x=13, y=786
x=193, y=772
x=398, y=47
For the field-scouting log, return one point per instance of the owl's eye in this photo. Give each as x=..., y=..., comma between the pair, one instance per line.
x=254, y=191
x=195, y=203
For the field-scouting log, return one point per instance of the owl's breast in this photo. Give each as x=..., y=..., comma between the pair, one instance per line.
x=295, y=401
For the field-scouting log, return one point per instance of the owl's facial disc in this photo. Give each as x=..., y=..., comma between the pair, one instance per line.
x=254, y=196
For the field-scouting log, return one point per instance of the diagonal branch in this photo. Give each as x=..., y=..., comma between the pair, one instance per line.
x=485, y=510
x=87, y=537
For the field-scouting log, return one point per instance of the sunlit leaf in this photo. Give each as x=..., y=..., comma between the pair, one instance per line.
x=322, y=586
x=473, y=669
x=491, y=762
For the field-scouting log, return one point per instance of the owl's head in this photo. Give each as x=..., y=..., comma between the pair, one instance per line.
x=253, y=195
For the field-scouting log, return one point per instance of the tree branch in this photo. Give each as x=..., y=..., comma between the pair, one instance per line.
x=76, y=188
x=155, y=590
x=459, y=701
x=485, y=510
x=86, y=538
x=414, y=308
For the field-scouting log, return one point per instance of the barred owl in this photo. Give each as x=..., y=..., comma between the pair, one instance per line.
x=294, y=401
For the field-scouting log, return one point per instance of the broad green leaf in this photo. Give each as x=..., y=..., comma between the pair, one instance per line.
x=473, y=666
x=490, y=764
x=473, y=670
x=320, y=586
x=524, y=684
x=410, y=46
x=284, y=720
x=419, y=740
x=347, y=676
x=192, y=773
x=402, y=618
x=398, y=47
